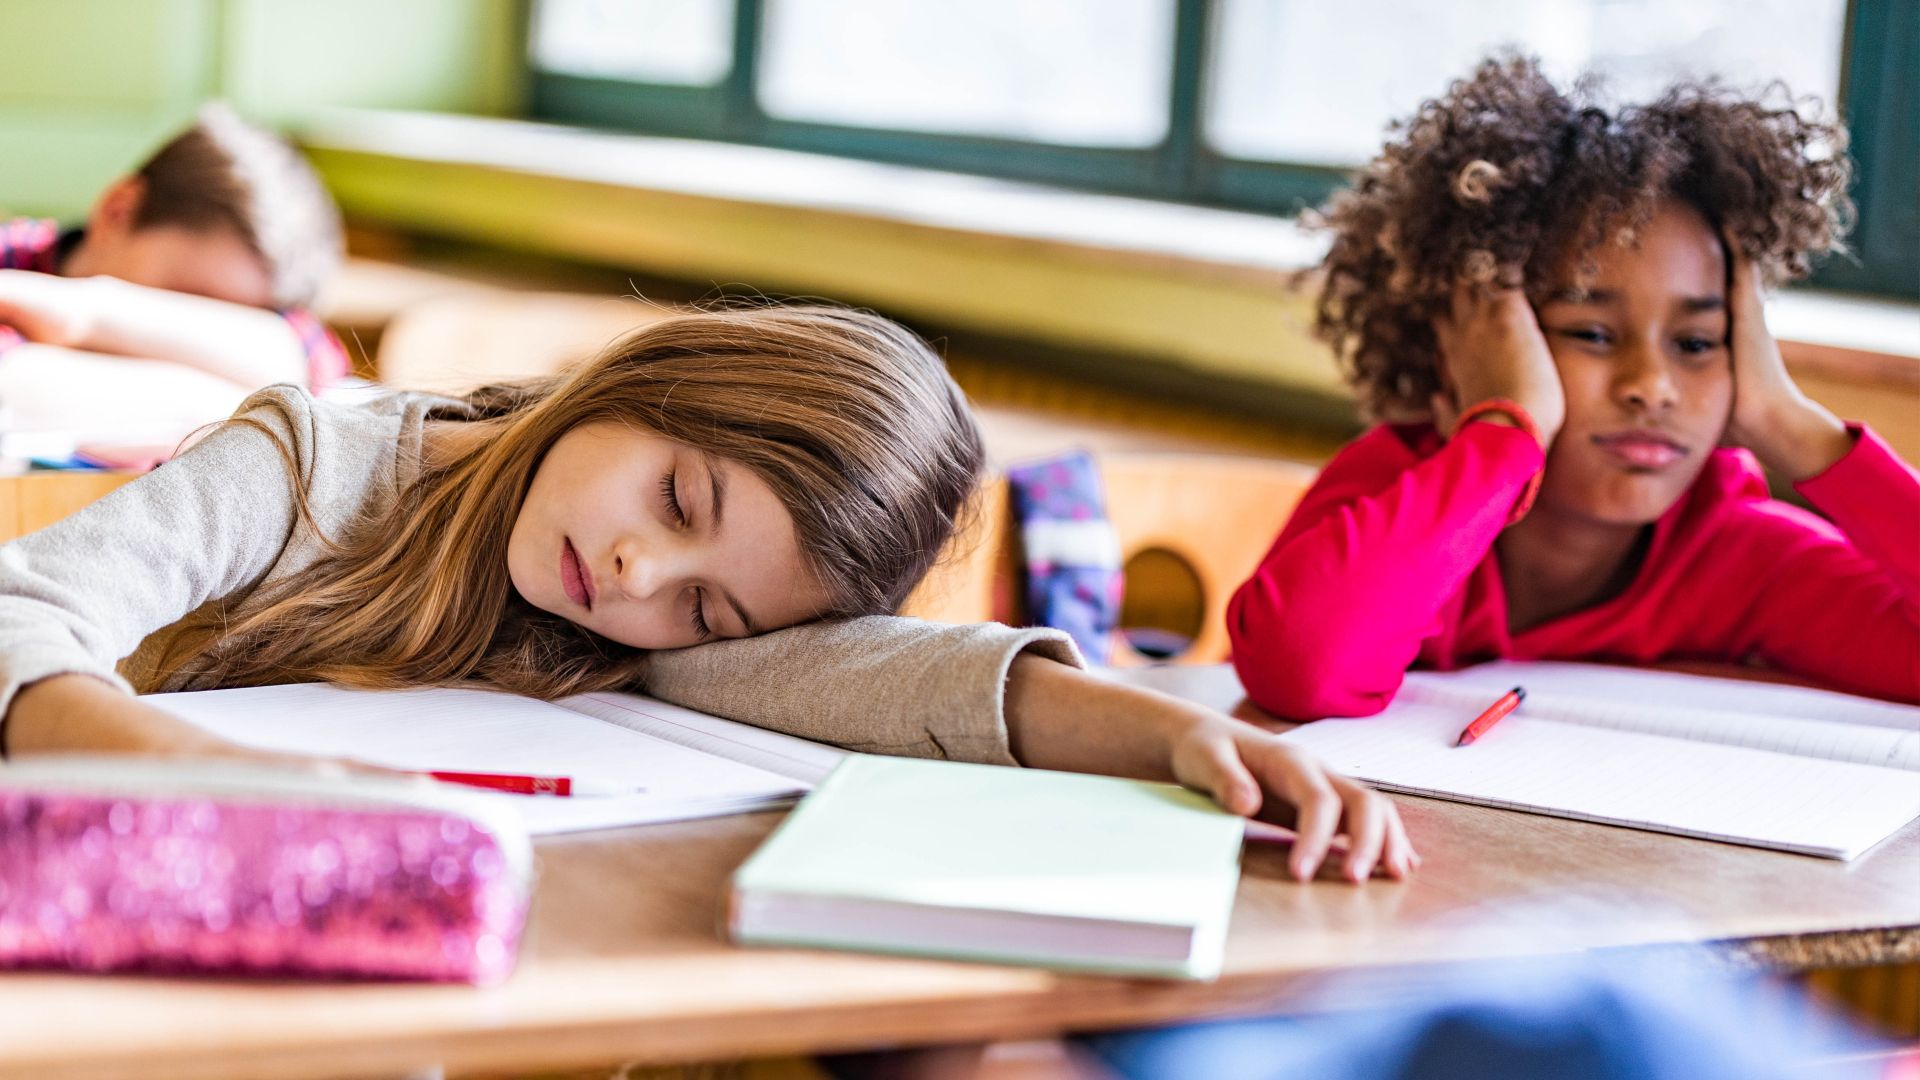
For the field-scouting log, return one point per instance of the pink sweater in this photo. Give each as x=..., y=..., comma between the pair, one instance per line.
x=1388, y=562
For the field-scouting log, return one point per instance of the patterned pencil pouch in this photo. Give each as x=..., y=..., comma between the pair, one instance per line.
x=112, y=864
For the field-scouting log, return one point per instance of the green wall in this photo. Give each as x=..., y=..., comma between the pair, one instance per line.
x=90, y=86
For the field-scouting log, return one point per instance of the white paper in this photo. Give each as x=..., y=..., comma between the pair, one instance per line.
x=786, y=755
x=1573, y=756
x=487, y=731
x=1737, y=712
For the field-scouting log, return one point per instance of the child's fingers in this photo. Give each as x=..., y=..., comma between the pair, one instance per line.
x=1743, y=288
x=1366, y=817
x=1319, y=816
x=1739, y=271
x=1399, y=856
x=1737, y=261
x=1229, y=781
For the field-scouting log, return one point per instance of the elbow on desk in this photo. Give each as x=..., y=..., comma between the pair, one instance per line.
x=1297, y=667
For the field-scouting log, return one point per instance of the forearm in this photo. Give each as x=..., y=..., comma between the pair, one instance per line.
x=81, y=714
x=243, y=345
x=1060, y=717
x=1802, y=440
x=78, y=714
x=57, y=388
x=1874, y=497
x=1333, y=615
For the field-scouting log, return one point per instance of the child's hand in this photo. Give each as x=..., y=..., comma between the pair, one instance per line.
x=1792, y=435
x=1491, y=347
x=47, y=309
x=1059, y=717
x=1253, y=772
x=78, y=714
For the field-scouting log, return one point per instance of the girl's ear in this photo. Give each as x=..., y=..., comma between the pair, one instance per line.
x=117, y=208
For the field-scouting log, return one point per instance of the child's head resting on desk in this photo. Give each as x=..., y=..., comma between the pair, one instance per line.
x=714, y=475
x=1616, y=224
x=223, y=210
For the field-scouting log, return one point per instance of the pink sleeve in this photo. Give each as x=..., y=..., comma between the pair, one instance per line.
x=1337, y=610
x=1843, y=604
x=327, y=360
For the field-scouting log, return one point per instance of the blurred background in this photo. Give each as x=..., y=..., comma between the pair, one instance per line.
x=1091, y=205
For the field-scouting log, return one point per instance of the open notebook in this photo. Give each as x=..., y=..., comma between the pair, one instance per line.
x=1723, y=759
x=689, y=764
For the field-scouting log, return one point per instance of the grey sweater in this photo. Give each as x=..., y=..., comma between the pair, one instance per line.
x=99, y=592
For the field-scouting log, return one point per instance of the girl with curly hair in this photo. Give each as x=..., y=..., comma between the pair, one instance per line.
x=1556, y=308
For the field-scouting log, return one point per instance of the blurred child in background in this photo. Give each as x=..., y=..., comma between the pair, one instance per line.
x=186, y=289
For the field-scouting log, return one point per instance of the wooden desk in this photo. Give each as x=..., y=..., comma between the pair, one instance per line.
x=624, y=962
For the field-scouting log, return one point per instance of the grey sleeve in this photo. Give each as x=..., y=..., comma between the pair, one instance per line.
x=883, y=685
x=79, y=595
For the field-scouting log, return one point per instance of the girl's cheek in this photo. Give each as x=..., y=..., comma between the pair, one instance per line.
x=1708, y=391
x=1584, y=380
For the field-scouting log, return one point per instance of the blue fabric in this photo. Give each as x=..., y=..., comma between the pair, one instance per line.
x=1567, y=1021
x=1080, y=595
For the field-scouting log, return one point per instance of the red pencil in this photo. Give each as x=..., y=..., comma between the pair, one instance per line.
x=1508, y=702
x=534, y=785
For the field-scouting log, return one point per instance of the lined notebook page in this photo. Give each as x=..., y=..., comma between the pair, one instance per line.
x=785, y=755
x=1736, y=712
x=1711, y=790
x=485, y=731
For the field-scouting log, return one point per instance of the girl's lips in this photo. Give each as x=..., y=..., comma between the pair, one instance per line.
x=574, y=577
x=1641, y=449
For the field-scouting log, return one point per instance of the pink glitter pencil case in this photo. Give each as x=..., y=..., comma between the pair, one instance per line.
x=114, y=864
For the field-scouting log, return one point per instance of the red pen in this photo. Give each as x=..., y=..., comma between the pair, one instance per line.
x=535, y=785
x=1508, y=702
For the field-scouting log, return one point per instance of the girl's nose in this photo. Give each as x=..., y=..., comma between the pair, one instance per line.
x=1644, y=382
x=636, y=572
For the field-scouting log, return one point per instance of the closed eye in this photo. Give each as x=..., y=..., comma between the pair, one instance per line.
x=670, y=495
x=698, y=617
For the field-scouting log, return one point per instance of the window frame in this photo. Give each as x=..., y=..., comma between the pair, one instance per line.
x=1877, y=92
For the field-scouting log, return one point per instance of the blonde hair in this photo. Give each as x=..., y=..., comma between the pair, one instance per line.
x=848, y=417
x=225, y=174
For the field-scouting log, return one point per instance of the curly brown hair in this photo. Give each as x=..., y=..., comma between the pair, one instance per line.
x=1507, y=174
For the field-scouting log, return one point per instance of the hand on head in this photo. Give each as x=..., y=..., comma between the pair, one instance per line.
x=1790, y=433
x=1490, y=347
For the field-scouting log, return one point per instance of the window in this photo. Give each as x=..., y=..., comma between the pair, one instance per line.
x=678, y=42
x=1254, y=104
x=1068, y=72
x=1270, y=53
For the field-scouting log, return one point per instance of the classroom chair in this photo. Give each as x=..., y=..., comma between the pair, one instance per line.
x=1191, y=527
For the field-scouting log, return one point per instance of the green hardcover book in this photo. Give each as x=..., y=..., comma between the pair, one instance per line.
x=981, y=862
